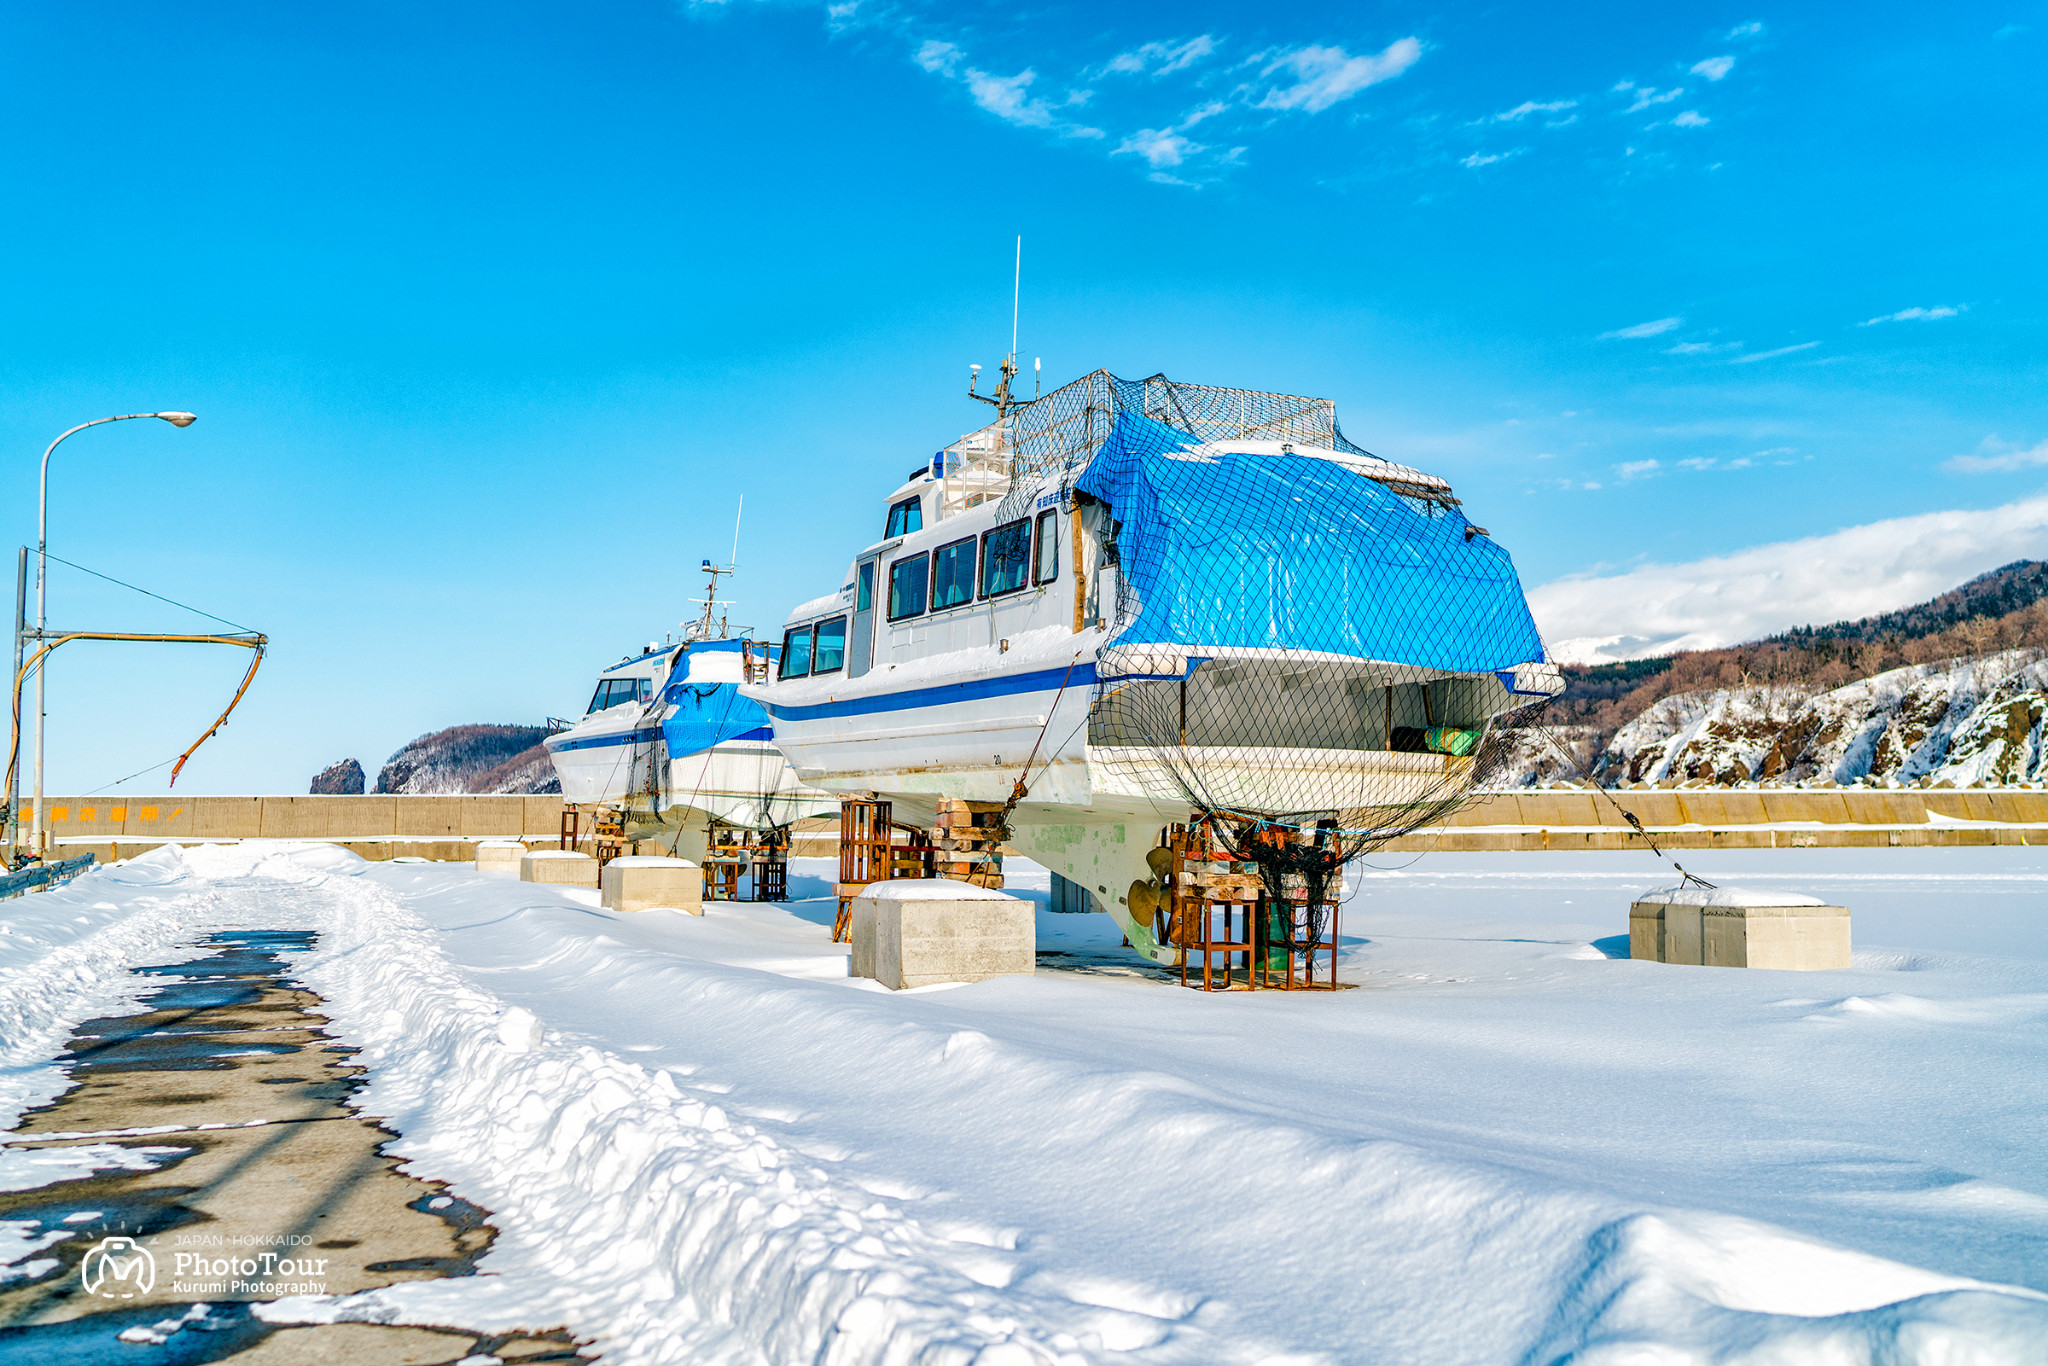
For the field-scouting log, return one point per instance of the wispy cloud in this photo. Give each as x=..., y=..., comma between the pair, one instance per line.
x=1478, y=159
x=1700, y=348
x=1753, y=29
x=1007, y=97
x=1691, y=118
x=1646, y=95
x=1160, y=59
x=1636, y=469
x=1726, y=599
x=1654, y=328
x=1996, y=455
x=1906, y=315
x=1768, y=355
x=1714, y=68
x=1160, y=147
x=1323, y=76
x=1528, y=107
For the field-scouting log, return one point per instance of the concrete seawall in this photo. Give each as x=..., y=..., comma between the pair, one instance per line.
x=1778, y=819
x=448, y=827
x=377, y=827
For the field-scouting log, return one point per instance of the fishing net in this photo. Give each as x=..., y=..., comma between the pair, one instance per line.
x=1306, y=645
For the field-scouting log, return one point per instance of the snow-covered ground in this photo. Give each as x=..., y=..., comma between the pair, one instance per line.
x=701, y=1142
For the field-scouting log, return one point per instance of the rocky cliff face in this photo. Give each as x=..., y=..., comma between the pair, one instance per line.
x=472, y=759
x=344, y=779
x=1954, y=722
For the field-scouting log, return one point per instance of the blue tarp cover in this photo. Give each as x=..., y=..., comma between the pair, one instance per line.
x=707, y=714
x=1295, y=553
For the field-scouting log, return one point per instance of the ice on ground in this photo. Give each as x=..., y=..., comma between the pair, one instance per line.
x=701, y=1142
x=649, y=861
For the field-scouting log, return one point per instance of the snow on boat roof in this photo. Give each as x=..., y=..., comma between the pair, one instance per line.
x=555, y=853
x=1727, y=896
x=649, y=861
x=1372, y=466
x=933, y=889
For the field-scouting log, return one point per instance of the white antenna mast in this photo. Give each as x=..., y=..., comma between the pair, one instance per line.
x=1016, y=296
x=735, y=560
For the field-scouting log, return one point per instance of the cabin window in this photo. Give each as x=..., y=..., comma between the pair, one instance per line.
x=953, y=574
x=1045, y=565
x=829, y=655
x=904, y=517
x=616, y=692
x=906, y=586
x=1006, y=559
x=796, y=653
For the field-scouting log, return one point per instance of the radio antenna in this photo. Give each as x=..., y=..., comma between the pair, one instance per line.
x=1016, y=296
x=735, y=560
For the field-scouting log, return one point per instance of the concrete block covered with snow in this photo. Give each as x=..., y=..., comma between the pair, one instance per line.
x=1726, y=927
x=922, y=931
x=645, y=882
x=500, y=856
x=558, y=868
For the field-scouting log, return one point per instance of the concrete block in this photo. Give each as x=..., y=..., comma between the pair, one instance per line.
x=642, y=882
x=1646, y=932
x=1734, y=928
x=558, y=868
x=916, y=932
x=500, y=857
x=861, y=916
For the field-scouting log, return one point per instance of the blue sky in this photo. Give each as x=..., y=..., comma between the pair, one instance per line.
x=492, y=312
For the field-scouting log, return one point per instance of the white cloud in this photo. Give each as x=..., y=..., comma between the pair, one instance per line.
x=1635, y=469
x=1699, y=348
x=1161, y=59
x=1478, y=159
x=1528, y=107
x=1752, y=29
x=1007, y=97
x=1654, y=328
x=1647, y=95
x=1159, y=147
x=1911, y=314
x=1767, y=355
x=1325, y=75
x=1714, y=68
x=1691, y=118
x=1996, y=455
x=1727, y=599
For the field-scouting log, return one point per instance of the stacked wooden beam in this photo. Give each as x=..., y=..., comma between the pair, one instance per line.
x=967, y=839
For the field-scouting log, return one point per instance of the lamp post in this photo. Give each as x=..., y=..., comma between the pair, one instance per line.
x=39, y=833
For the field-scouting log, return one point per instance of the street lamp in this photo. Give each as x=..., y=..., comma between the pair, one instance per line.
x=38, y=833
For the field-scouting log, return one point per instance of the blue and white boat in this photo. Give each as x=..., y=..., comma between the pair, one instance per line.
x=669, y=740
x=1127, y=604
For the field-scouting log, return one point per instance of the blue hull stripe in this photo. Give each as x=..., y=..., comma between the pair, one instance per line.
x=641, y=737
x=1042, y=680
x=624, y=737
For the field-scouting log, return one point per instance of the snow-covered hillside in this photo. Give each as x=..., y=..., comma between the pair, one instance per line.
x=472, y=759
x=1956, y=722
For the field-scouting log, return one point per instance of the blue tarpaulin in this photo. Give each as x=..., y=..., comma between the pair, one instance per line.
x=1294, y=553
x=707, y=714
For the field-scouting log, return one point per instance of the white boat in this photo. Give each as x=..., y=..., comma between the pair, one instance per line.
x=1127, y=604
x=669, y=740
